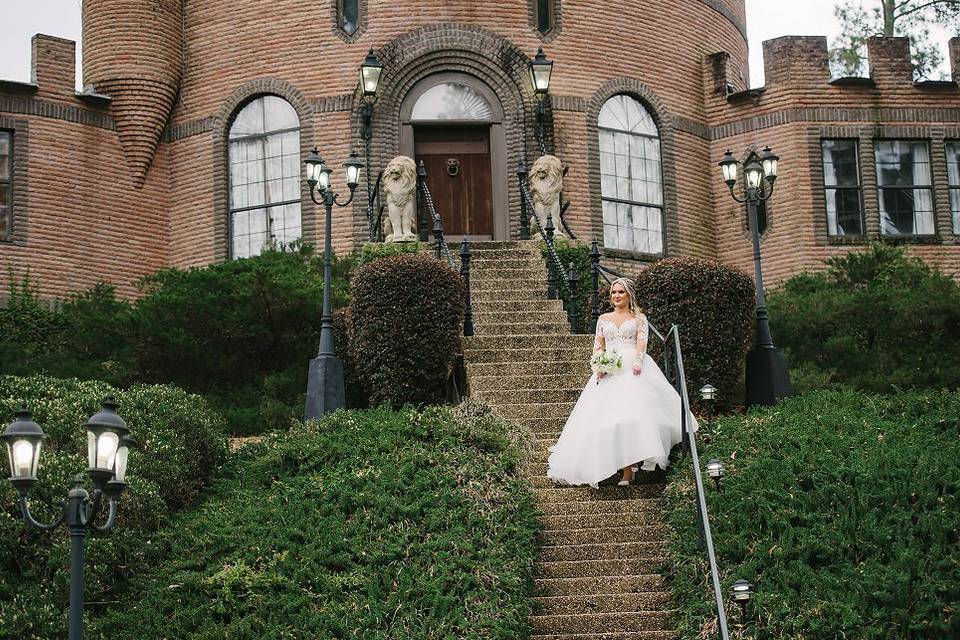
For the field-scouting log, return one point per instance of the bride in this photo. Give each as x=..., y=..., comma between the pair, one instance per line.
x=623, y=418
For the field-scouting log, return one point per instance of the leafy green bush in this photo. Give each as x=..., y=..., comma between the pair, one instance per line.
x=877, y=321
x=576, y=253
x=366, y=524
x=343, y=340
x=375, y=250
x=181, y=446
x=713, y=305
x=84, y=336
x=841, y=507
x=408, y=314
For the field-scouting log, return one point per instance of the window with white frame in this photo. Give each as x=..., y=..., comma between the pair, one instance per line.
x=953, y=179
x=631, y=185
x=841, y=182
x=905, y=187
x=264, y=156
x=6, y=183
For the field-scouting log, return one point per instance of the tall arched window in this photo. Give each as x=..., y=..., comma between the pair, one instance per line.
x=264, y=156
x=631, y=186
x=349, y=16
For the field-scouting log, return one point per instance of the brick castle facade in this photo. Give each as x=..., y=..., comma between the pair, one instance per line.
x=135, y=173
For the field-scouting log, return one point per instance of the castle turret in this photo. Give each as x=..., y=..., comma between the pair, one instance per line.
x=133, y=52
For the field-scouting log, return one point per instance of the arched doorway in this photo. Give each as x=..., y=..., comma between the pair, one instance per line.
x=453, y=122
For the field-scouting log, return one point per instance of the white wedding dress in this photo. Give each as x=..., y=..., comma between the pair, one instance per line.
x=624, y=419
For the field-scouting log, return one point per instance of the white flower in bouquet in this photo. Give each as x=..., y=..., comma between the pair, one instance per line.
x=606, y=363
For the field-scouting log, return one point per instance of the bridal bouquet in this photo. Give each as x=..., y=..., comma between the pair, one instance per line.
x=605, y=363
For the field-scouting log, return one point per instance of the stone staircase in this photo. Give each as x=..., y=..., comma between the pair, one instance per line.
x=596, y=577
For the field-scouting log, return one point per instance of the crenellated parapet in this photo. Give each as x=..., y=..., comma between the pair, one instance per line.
x=133, y=52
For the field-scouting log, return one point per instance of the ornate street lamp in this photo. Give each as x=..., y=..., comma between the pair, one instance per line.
x=325, y=388
x=541, y=68
x=108, y=445
x=768, y=378
x=370, y=72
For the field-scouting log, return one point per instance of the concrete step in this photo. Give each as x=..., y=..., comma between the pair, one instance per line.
x=492, y=260
x=531, y=296
x=604, y=551
x=602, y=603
x=486, y=329
x=513, y=380
x=497, y=397
x=544, y=357
x=583, y=343
x=553, y=587
x=544, y=425
x=526, y=410
x=560, y=493
x=602, y=622
x=616, y=635
x=597, y=507
x=501, y=245
x=598, y=568
x=593, y=520
x=532, y=317
x=490, y=305
x=587, y=534
x=510, y=276
x=480, y=369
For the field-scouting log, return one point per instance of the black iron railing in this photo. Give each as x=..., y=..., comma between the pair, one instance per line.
x=375, y=209
x=440, y=244
x=555, y=271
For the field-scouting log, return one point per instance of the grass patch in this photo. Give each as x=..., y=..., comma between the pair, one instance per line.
x=841, y=507
x=366, y=524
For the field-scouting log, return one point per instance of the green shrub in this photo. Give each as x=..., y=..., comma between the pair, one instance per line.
x=841, y=507
x=84, y=336
x=713, y=306
x=366, y=524
x=576, y=253
x=877, y=321
x=375, y=250
x=343, y=340
x=408, y=313
x=181, y=446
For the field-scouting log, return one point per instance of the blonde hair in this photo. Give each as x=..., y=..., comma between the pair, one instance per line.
x=630, y=288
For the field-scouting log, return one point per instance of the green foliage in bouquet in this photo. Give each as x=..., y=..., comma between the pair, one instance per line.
x=876, y=320
x=366, y=524
x=842, y=508
x=407, y=319
x=181, y=445
x=713, y=305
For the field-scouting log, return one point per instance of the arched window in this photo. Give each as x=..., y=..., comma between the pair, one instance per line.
x=544, y=15
x=631, y=185
x=264, y=156
x=349, y=16
x=452, y=101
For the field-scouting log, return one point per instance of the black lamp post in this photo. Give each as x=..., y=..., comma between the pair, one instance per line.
x=768, y=378
x=325, y=388
x=108, y=445
x=541, y=69
x=370, y=71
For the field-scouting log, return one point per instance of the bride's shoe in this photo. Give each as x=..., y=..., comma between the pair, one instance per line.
x=623, y=483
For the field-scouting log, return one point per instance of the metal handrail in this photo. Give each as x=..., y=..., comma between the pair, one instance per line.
x=702, y=515
x=442, y=247
x=373, y=226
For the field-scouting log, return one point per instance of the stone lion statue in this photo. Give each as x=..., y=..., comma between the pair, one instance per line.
x=399, y=189
x=546, y=183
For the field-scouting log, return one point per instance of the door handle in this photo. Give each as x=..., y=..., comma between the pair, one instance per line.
x=453, y=167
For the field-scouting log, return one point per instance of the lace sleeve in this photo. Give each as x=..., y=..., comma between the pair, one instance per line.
x=643, y=332
x=599, y=343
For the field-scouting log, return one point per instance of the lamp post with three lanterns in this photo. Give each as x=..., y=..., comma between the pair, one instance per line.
x=325, y=386
x=108, y=446
x=768, y=378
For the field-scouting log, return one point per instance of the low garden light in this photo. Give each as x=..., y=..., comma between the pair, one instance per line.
x=23, y=438
x=708, y=393
x=325, y=384
x=108, y=447
x=768, y=378
x=741, y=592
x=716, y=469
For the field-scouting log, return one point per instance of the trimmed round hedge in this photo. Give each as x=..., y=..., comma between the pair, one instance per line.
x=713, y=305
x=181, y=444
x=407, y=312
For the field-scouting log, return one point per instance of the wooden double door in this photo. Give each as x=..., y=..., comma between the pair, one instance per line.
x=457, y=160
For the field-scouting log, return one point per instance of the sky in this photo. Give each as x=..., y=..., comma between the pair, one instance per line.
x=766, y=19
